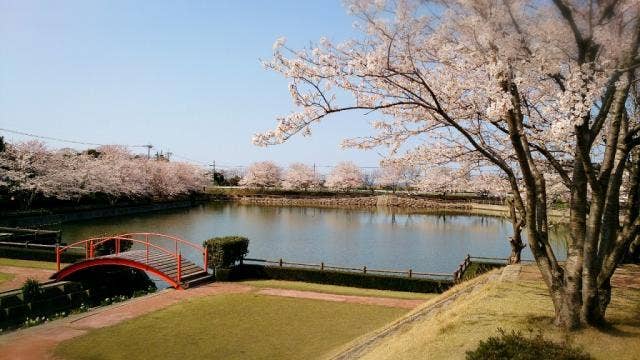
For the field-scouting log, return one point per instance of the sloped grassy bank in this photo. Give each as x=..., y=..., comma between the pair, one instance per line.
x=448, y=326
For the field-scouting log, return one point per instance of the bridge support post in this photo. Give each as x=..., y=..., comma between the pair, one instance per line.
x=58, y=257
x=179, y=276
x=146, y=240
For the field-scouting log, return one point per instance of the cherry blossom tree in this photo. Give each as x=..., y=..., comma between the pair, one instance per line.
x=262, y=174
x=443, y=180
x=523, y=87
x=395, y=173
x=345, y=176
x=26, y=169
x=299, y=176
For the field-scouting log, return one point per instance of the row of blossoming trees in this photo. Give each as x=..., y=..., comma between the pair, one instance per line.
x=30, y=171
x=391, y=175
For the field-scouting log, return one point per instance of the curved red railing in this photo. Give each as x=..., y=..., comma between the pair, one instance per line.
x=91, y=244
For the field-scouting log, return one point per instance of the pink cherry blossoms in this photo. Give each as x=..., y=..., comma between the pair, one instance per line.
x=30, y=170
x=262, y=174
x=345, y=176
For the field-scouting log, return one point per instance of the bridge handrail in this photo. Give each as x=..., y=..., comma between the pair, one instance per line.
x=100, y=240
x=172, y=237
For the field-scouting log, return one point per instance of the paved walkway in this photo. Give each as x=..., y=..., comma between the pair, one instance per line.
x=38, y=342
x=366, y=300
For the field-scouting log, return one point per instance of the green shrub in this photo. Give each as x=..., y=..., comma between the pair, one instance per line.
x=31, y=290
x=516, y=346
x=225, y=251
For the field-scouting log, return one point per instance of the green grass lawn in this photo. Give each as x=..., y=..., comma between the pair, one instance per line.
x=233, y=326
x=5, y=277
x=28, y=263
x=340, y=290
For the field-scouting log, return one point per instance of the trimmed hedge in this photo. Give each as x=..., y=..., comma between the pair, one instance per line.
x=16, y=308
x=38, y=254
x=226, y=251
x=369, y=281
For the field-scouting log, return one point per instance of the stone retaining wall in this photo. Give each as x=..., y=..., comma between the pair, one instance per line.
x=355, y=202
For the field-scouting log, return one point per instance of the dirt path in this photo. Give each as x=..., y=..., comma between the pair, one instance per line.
x=366, y=300
x=38, y=342
x=20, y=274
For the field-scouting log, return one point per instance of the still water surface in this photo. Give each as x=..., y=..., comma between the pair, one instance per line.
x=379, y=239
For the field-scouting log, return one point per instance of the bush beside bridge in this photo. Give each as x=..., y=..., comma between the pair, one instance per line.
x=224, y=252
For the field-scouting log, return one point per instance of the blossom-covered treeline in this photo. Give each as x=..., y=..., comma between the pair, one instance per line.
x=300, y=176
x=29, y=170
x=262, y=174
x=535, y=90
x=345, y=176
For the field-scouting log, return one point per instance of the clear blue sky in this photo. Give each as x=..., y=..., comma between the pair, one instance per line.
x=182, y=75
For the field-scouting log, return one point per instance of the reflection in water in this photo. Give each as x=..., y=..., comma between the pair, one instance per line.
x=383, y=238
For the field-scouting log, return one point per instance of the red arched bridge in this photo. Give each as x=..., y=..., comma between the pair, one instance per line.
x=158, y=254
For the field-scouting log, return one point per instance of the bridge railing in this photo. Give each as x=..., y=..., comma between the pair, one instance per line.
x=145, y=239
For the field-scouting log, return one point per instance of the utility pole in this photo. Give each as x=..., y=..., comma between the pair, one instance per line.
x=148, y=146
x=213, y=172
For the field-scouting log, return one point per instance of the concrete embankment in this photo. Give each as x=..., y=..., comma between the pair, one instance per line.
x=356, y=202
x=405, y=204
x=48, y=217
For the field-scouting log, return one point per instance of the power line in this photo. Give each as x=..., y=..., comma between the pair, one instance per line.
x=149, y=147
x=64, y=140
x=191, y=160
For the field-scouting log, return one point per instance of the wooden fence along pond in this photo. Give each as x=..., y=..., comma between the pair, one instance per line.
x=456, y=276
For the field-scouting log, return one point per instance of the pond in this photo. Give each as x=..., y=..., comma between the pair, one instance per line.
x=379, y=239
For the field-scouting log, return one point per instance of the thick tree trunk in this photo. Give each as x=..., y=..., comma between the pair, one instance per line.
x=516, y=248
x=516, y=240
x=570, y=295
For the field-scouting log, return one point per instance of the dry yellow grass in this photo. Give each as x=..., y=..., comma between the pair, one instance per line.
x=521, y=305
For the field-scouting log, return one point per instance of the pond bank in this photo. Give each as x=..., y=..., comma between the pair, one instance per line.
x=401, y=203
x=45, y=217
